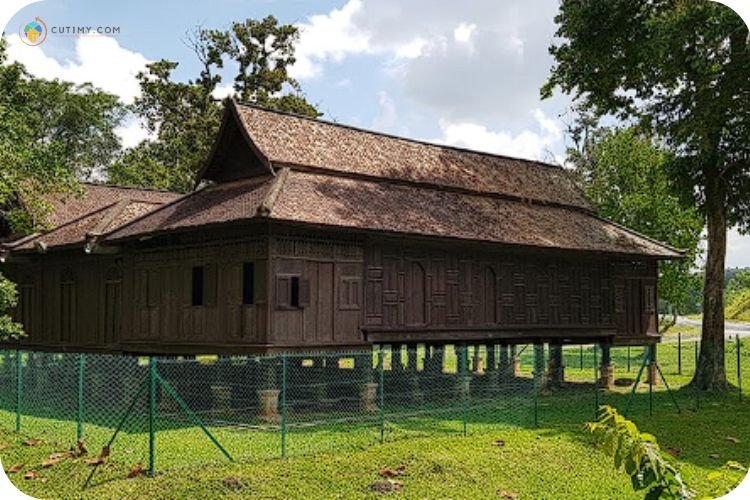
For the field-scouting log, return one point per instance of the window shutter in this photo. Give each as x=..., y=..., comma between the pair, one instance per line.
x=210, y=285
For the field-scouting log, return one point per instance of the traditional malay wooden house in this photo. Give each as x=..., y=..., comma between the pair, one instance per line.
x=308, y=235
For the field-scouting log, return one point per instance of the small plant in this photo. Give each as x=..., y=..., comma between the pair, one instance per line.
x=639, y=455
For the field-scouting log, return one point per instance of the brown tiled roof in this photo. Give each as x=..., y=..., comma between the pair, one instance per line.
x=286, y=139
x=98, y=210
x=228, y=202
x=330, y=200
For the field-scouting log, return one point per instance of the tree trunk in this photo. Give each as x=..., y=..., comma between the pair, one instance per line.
x=710, y=373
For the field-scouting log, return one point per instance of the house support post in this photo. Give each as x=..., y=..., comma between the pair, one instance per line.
x=516, y=359
x=555, y=368
x=607, y=371
x=369, y=391
x=652, y=374
x=491, y=371
x=504, y=364
x=539, y=374
x=412, y=379
x=268, y=394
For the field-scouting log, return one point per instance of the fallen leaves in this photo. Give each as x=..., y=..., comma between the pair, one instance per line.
x=387, y=472
x=508, y=495
x=733, y=440
x=81, y=449
x=499, y=443
x=14, y=468
x=136, y=471
x=101, y=458
x=675, y=452
x=31, y=475
x=54, y=459
x=3, y=446
x=233, y=483
x=715, y=456
x=31, y=442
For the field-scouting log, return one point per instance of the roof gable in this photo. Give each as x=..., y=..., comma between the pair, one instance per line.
x=289, y=140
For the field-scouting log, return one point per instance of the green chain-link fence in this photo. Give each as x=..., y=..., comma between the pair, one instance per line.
x=173, y=412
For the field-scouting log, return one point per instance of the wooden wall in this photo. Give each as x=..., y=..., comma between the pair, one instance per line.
x=317, y=290
x=419, y=287
x=330, y=275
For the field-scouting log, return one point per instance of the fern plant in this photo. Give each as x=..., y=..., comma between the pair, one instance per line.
x=638, y=454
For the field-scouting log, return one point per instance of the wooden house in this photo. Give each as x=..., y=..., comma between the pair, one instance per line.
x=308, y=235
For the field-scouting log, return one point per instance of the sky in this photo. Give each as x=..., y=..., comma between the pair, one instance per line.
x=461, y=73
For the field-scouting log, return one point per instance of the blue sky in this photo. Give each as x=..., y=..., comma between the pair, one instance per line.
x=464, y=73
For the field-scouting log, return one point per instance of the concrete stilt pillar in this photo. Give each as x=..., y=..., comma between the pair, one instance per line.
x=491, y=375
x=412, y=377
x=539, y=373
x=504, y=368
x=369, y=389
x=555, y=368
x=516, y=360
x=268, y=393
x=476, y=360
x=397, y=363
x=607, y=369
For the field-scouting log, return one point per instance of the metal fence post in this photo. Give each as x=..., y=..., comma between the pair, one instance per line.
x=581, y=356
x=283, y=404
x=463, y=376
x=79, y=416
x=679, y=353
x=628, y=359
x=19, y=388
x=151, y=415
x=382, y=393
x=596, y=383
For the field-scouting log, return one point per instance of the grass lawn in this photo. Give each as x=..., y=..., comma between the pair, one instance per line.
x=555, y=460
x=339, y=455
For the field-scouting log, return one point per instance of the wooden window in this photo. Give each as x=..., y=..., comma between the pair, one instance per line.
x=248, y=283
x=349, y=293
x=292, y=292
x=197, y=298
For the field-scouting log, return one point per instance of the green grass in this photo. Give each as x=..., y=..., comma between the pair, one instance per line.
x=552, y=461
x=337, y=455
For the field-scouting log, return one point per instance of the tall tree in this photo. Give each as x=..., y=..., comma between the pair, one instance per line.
x=183, y=117
x=52, y=133
x=679, y=68
x=625, y=175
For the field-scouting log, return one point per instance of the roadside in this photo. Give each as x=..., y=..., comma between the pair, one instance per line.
x=690, y=327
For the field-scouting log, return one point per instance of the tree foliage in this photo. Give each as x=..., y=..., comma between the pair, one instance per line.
x=679, y=69
x=638, y=454
x=52, y=133
x=624, y=174
x=184, y=117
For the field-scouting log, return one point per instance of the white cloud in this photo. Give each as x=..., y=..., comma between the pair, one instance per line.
x=222, y=91
x=738, y=249
x=328, y=37
x=99, y=60
x=530, y=144
x=462, y=33
x=131, y=133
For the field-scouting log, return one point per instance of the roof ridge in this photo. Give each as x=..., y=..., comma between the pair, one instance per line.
x=269, y=200
x=397, y=137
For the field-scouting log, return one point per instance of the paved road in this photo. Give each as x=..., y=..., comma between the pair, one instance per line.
x=730, y=329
